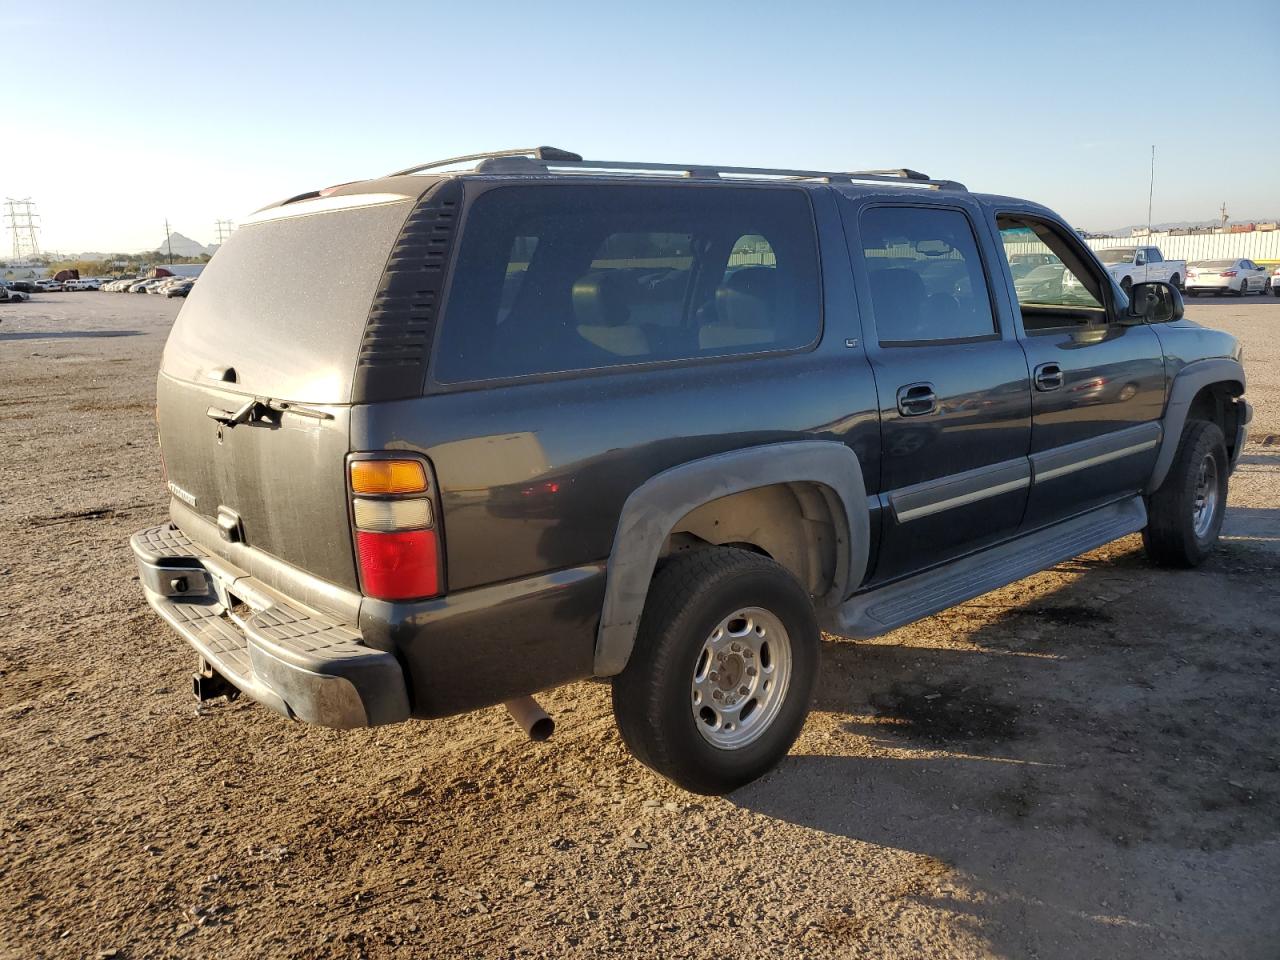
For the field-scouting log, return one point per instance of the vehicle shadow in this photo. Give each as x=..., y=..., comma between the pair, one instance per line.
x=1066, y=760
x=67, y=334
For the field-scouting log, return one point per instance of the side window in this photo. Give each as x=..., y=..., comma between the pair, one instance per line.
x=1066, y=291
x=1153, y=255
x=926, y=276
x=555, y=278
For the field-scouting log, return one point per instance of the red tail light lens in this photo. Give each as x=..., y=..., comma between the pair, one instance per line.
x=399, y=566
x=1227, y=273
x=396, y=531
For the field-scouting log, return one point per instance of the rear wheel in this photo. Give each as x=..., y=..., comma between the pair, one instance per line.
x=1193, y=293
x=1275, y=290
x=1185, y=515
x=1176, y=281
x=718, y=685
x=1126, y=285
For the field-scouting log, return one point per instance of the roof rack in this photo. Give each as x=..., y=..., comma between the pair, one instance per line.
x=544, y=159
x=533, y=153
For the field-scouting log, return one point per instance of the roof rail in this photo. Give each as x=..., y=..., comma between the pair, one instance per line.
x=544, y=159
x=537, y=153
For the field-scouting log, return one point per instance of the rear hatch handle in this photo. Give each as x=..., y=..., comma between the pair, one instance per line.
x=261, y=406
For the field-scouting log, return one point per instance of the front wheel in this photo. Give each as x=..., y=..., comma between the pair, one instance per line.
x=1185, y=515
x=1176, y=281
x=719, y=683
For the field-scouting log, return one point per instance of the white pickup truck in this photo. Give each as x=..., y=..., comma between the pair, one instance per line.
x=1130, y=265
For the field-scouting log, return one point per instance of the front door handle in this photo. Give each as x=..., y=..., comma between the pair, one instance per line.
x=917, y=399
x=1049, y=376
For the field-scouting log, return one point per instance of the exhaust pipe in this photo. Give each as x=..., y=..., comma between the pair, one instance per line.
x=532, y=718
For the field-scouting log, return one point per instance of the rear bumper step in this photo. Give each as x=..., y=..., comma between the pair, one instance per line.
x=298, y=662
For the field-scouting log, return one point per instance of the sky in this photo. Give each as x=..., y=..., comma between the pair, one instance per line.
x=127, y=114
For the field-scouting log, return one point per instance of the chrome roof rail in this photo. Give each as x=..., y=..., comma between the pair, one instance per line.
x=546, y=159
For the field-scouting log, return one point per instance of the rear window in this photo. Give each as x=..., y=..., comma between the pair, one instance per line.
x=285, y=302
x=551, y=279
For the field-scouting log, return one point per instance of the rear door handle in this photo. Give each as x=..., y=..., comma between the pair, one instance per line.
x=917, y=399
x=1049, y=377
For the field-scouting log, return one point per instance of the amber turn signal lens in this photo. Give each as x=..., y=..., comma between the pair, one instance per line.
x=388, y=476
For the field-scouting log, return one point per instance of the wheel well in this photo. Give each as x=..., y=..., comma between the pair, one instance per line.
x=1216, y=403
x=798, y=525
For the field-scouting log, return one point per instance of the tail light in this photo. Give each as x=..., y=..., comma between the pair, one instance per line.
x=1227, y=273
x=396, y=531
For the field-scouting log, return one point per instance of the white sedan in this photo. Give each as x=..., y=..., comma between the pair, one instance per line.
x=1226, y=276
x=1275, y=281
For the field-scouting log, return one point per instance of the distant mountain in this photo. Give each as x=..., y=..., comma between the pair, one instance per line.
x=182, y=246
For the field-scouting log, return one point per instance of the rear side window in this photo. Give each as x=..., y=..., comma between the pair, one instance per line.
x=558, y=278
x=927, y=281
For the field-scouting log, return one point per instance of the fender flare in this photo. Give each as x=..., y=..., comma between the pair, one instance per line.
x=1189, y=381
x=653, y=509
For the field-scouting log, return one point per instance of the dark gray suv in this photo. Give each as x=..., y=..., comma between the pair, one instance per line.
x=444, y=439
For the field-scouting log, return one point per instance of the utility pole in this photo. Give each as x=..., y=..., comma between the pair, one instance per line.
x=1151, y=189
x=168, y=238
x=224, y=228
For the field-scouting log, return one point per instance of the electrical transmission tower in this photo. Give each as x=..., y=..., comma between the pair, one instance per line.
x=224, y=228
x=22, y=218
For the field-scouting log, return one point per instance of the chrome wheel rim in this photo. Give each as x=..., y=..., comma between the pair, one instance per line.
x=1206, y=497
x=740, y=678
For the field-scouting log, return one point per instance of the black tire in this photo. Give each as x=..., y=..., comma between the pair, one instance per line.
x=1171, y=536
x=653, y=697
x=1275, y=290
x=1176, y=281
x=1127, y=286
x=1193, y=293
x=1244, y=288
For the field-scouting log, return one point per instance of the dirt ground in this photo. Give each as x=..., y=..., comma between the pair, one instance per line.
x=1083, y=765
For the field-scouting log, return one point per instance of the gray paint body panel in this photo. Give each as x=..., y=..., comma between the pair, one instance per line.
x=654, y=508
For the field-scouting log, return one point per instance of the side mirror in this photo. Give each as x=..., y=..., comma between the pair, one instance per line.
x=1154, y=302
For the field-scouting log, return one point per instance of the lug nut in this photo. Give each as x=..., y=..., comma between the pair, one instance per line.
x=735, y=647
x=743, y=691
x=714, y=675
x=751, y=671
x=717, y=695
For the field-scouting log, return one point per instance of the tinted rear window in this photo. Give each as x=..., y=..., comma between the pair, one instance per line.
x=558, y=278
x=285, y=303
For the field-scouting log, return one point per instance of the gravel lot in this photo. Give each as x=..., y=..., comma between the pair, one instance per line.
x=1083, y=765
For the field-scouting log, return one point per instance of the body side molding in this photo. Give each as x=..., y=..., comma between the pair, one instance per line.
x=654, y=508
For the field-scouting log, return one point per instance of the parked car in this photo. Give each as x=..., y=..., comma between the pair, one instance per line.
x=1130, y=265
x=1274, y=284
x=1226, y=276
x=10, y=295
x=179, y=289
x=49, y=286
x=1021, y=264
x=663, y=454
x=26, y=286
x=140, y=286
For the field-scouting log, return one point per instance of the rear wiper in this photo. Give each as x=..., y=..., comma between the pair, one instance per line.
x=261, y=405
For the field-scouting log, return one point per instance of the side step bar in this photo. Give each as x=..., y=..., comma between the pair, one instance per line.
x=895, y=605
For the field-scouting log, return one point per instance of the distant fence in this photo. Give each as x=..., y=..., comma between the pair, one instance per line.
x=1257, y=245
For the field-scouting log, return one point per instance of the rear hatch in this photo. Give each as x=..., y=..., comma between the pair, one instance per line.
x=271, y=333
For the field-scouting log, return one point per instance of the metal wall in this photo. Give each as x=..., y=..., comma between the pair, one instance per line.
x=1258, y=245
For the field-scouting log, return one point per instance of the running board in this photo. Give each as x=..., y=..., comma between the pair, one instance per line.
x=906, y=601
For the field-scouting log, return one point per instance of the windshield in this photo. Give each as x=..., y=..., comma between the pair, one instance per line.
x=1117, y=255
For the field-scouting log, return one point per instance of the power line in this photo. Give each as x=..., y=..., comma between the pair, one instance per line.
x=22, y=218
x=224, y=228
